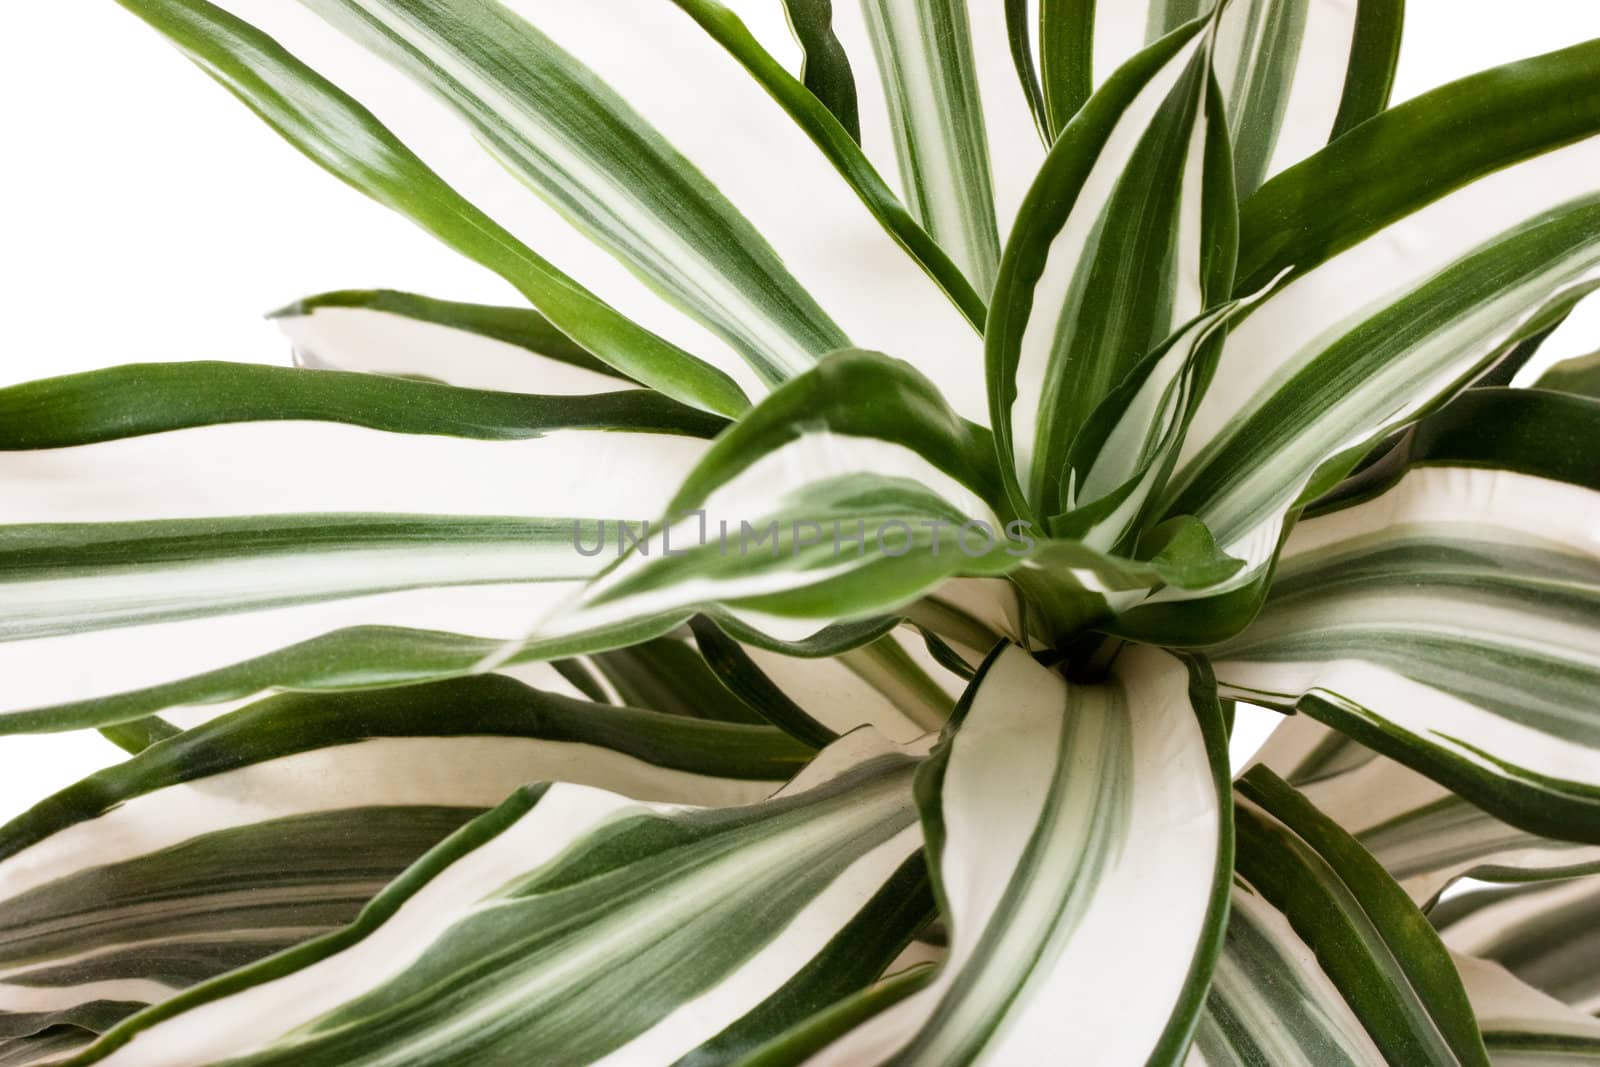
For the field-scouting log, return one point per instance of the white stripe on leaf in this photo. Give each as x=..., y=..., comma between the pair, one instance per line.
x=1055, y=806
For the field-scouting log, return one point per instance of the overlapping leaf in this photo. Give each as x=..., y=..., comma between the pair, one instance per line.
x=943, y=111
x=343, y=137
x=1546, y=934
x=1126, y=235
x=1303, y=751
x=1441, y=610
x=1580, y=375
x=705, y=931
x=1327, y=961
x=1427, y=837
x=1523, y=1027
x=1056, y=814
x=1405, y=284
x=650, y=195
x=1158, y=425
x=278, y=822
x=847, y=493
x=885, y=684
x=409, y=336
x=159, y=552
x=1294, y=73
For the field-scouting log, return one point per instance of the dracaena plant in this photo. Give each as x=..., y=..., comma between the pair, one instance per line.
x=994, y=392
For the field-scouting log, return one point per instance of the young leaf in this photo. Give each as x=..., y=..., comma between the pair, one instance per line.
x=1126, y=235
x=1121, y=457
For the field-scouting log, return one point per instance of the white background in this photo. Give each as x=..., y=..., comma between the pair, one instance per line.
x=148, y=216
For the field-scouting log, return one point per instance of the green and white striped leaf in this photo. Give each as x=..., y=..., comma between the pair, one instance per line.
x=49, y=1046
x=1295, y=73
x=686, y=177
x=847, y=494
x=1523, y=1027
x=1327, y=960
x=667, y=674
x=345, y=138
x=1580, y=375
x=1441, y=609
x=1405, y=284
x=380, y=331
x=1271, y=1002
x=1126, y=235
x=1057, y=816
x=1301, y=751
x=590, y=928
x=1121, y=457
x=842, y=496
x=1507, y=369
x=278, y=822
x=1427, y=837
x=159, y=552
x=892, y=684
x=943, y=109
x=971, y=614
x=903, y=667
x=1548, y=935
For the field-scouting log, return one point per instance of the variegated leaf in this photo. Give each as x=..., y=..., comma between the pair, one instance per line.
x=942, y=108
x=158, y=551
x=1440, y=609
x=474, y=345
x=1404, y=285
x=1127, y=234
x=1295, y=73
x=708, y=930
x=277, y=822
x=1548, y=935
x=1327, y=961
x=344, y=137
x=1302, y=751
x=1523, y=1027
x=1055, y=813
x=647, y=189
x=847, y=494
x=892, y=684
x=1427, y=837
